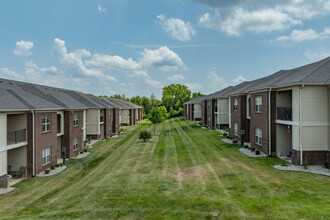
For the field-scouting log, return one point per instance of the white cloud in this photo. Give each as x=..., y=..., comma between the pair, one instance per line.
x=23, y=48
x=162, y=58
x=176, y=27
x=305, y=35
x=217, y=82
x=153, y=83
x=319, y=55
x=239, y=79
x=237, y=16
x=175, y=78
x=10, y=73
x=138, y=74
x=194, y=87
x=100, y=9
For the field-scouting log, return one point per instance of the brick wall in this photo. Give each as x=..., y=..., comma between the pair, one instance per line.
x=108, y=122
x=29, y=149
x=45, y=140
x=116, y=120
x=261, y=120
x=312, y=157
x=239, y=117
x=3, y=181
x=71, y=132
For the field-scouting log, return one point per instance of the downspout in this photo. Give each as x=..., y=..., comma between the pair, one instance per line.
x=33, y=146
x=269, y=123
x=300, y=125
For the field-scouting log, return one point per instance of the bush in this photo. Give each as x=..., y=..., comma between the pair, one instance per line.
x=224, y=134
x=61, y=164
x=226, y=129
x=257, y=152
x=246, y=146
x=47, y=171
x=88, y=140
x=305, y=164
x=57, y=165
x=253, y=149
x=85, y=150
x=81, y=152
x=326, y=165
x=52, y=167
x=230, y=137
x=234, y=141
x=144, y=135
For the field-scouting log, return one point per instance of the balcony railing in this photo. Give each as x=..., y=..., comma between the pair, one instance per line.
x=101, y=119
x=284, y=113
x=15, y=137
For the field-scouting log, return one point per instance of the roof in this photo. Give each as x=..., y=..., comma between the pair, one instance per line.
x=197, y=100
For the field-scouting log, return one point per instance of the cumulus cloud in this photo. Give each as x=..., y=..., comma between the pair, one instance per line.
x=162, y=58
x=175, y=78
x=195, y=87
x=318, y=55
x=100, y=9
x=9, y=73
x=305, y=35
x=23, y=48
x=239, y=79
x=113, y=62
x=216, y=81
x=176, y=27
x=236, y=16
x=153, y=83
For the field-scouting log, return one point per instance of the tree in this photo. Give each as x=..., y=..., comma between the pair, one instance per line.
x=164, y=112
x=144, y=135
x=156, y=116
x=197, y=94
x=175, y=95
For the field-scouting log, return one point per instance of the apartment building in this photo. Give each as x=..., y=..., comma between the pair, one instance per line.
x=40, y=125
x=193, y=109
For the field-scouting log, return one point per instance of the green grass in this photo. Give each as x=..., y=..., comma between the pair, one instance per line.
x=188, y=174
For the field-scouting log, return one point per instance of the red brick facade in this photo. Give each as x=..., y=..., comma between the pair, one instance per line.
x=312, y=157
x=3, y=181
x=45, y=140
x=239, y=116
x=71, y=132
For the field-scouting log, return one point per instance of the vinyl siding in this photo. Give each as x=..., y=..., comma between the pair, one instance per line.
x=295, y=138
x=223, y=111
x=314, y=104
x=3, y=163
x=197, y=111
x=125, y=116
x=315, y=138
x=295, y=104
x=92, y=121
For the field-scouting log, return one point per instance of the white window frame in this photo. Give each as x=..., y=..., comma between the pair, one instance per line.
x=46, y=156
x=258, y=136
x=258, y=104
x=75, y=144
x=45, y=123
x=236, y=129
x=235, y=104
x=75, y=120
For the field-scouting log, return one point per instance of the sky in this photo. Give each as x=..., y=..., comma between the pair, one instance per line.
x=137, y=47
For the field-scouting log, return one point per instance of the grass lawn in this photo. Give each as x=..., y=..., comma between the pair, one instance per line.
x=189, y=173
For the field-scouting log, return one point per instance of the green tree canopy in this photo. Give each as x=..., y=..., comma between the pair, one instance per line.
x=156, y=116
x=196, y=95
x=175, y=95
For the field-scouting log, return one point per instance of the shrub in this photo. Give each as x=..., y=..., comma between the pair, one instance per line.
x=47, y=171
x=234, y=141
x=52, y=167
x=88, y=140
x=246, y=146
x=144, y=135
x=61, y=164
x=81, y=152
x=226, y=129
x=305, y=164
x=85, y=150
x=224, y=134
x=257, y=152
x=249, y=148
x=326, y=165
x=57, y=165
x=230, y=137
x=253, y=149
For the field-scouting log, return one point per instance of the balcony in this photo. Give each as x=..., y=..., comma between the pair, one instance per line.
x=16, y=137
x=284, y=113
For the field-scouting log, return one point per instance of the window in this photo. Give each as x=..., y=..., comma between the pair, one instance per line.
x=45, y=121
x=109, y=113
x=235, y=129
x=75, y=144
x=75, y=119
x=258, y=136
x=258, y=104
x=46, y=156
x=235, y=104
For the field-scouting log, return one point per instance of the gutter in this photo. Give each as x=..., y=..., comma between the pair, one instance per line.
x=300, y=125
x=269, y=123
x=33, y=145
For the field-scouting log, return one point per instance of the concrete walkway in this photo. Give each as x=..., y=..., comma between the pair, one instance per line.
x=52, y=172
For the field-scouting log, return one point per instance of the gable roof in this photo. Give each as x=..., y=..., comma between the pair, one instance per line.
x=197, y=100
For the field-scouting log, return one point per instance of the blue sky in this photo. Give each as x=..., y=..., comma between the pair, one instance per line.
x=136, y=47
